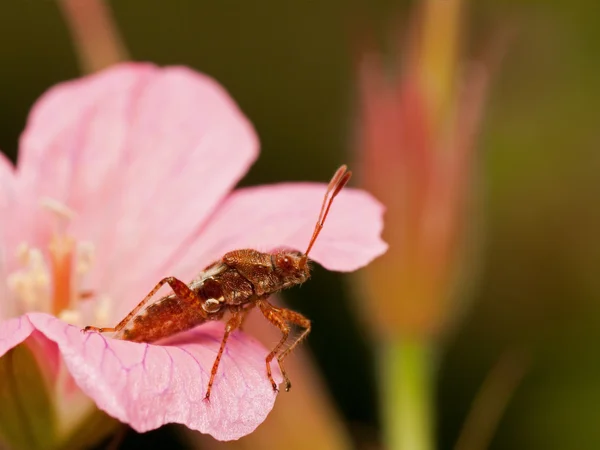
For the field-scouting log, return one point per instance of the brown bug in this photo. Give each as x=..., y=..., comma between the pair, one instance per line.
x=239, y=281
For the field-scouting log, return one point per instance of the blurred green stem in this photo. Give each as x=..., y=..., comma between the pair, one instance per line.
x=408, y=382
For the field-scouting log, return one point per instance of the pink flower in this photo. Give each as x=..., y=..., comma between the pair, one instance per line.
x=123, y=178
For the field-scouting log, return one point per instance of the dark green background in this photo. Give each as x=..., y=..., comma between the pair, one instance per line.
x=289, y=64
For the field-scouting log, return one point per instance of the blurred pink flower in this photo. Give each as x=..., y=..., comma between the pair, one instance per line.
x=418, y=122
x=123, y=178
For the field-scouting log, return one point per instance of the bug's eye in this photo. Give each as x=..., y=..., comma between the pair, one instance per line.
x=285, y=263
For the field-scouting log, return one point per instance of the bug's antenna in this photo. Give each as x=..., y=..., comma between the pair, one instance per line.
x=338, y=181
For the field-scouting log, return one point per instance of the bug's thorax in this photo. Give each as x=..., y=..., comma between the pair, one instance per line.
x=250, y=274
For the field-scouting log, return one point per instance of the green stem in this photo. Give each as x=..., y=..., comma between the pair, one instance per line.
x=407, y=380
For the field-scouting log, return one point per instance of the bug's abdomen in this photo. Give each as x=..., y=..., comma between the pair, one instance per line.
x=162, y=319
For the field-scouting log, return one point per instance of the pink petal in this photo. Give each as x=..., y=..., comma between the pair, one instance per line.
x=148, y=386
x=268, y=217
x=13, y=332
x=7, y=202
x=142, y=155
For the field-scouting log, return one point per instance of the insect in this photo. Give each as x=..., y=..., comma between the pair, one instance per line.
x=237, y=283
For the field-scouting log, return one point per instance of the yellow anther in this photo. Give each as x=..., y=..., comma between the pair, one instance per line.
x=70, y=316
x=60, y=209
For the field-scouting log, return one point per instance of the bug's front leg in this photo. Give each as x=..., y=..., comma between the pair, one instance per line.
x=300, y=321
x=273, y=315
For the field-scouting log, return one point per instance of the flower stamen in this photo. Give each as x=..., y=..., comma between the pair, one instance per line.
x=31, y=284
x=52, y=281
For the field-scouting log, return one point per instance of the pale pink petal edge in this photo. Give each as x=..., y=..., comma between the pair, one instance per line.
x=284, y=215
x=13, y=332
x=148, y=386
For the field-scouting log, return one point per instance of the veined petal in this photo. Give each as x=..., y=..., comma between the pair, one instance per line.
x=284, y=215
x=142, y=155
x=148, y=386
x=74, y=122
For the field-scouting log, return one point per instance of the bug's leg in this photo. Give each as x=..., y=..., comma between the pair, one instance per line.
x=273, y=315
x=232, y=324
x=300, y=321
x=180, y=289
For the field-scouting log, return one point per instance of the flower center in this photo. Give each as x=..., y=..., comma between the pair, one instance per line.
x=53, y=281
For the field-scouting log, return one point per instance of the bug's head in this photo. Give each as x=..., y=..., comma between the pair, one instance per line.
x=292, y=266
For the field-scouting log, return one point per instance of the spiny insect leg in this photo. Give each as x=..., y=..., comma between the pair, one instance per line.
x=99, y=330
x=179, y=288
x=300, y=321
x=274, y=316
x=232, y=324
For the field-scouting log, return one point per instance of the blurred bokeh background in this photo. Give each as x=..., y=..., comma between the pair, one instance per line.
x=292, y=67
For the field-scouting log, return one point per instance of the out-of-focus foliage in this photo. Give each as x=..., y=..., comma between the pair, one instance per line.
x=291, y=67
